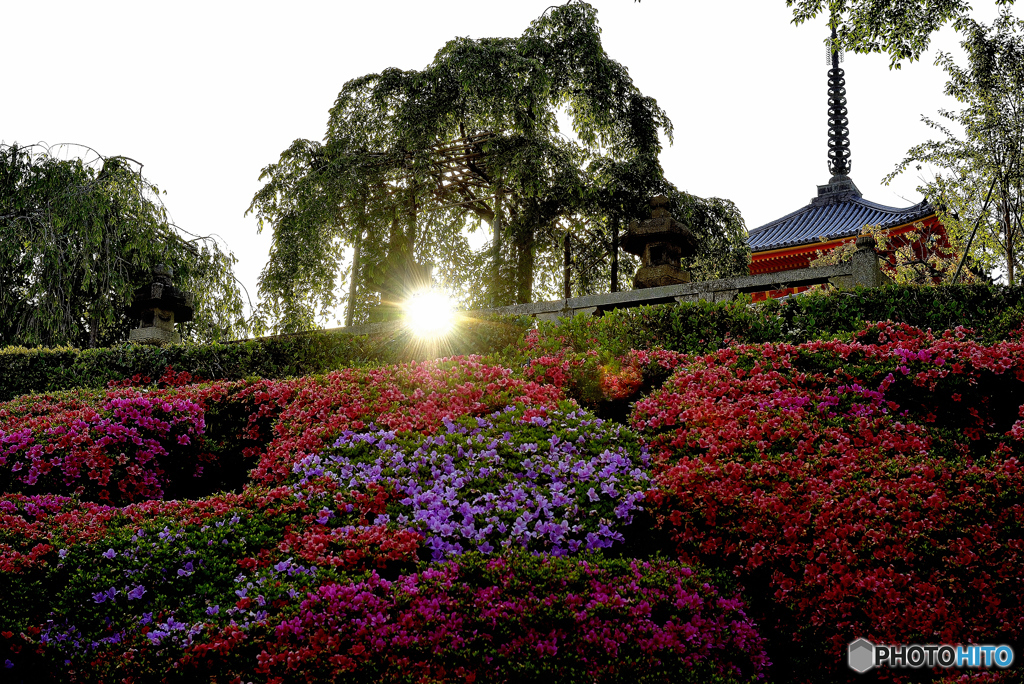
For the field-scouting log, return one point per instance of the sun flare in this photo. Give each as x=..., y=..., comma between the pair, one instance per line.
x=430, y=314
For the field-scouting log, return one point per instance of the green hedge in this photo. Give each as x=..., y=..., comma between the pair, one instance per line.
x=24, y=371
x=993, y=312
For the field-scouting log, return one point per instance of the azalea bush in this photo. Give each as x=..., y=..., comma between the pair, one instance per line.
x=121, y=447
x=556, y=481
x=87, y=578
x=519, y=618
x=129, y=443
x=488, y=519
x=411, y=397
x=323, y=578
x=868, y=488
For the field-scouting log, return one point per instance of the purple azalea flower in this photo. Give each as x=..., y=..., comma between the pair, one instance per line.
x=483, y=488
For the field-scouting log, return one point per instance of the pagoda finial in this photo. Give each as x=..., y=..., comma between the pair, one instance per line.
x=838, y=133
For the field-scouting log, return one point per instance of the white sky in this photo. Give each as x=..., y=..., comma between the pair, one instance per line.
x=205, y=94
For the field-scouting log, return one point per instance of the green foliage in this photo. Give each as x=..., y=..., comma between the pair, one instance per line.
x=899, y=28
x=981, y=152
x=721, y=234
x=25, y=371
x=994, y=313
x=485, y=110
x=918, y=257
x=78, y=236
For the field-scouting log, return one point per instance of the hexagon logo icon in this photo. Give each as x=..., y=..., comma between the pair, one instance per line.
x=861, y=655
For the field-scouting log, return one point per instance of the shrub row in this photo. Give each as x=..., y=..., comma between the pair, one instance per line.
x=39, y=370
x=992, y=312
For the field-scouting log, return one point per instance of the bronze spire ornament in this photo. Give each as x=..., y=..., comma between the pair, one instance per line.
x=838, y=133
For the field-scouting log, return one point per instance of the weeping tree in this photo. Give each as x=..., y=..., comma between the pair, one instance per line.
x=413, y=158
x=79, y=234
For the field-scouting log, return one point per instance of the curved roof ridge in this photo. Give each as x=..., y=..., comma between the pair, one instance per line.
x=841, y=217
x=894, y=210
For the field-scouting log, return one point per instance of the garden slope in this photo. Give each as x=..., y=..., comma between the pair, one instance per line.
x=863, y=487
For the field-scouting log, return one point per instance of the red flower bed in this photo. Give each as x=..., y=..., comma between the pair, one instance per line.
x=507, y=619
x=821, y=476
x=129, y=444
x=115, y=447
x=414, y=396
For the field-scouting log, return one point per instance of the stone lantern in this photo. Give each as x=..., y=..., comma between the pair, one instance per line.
x=660, y=242
x=157, y=307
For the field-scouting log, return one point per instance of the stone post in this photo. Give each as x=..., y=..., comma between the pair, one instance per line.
x=866, y=269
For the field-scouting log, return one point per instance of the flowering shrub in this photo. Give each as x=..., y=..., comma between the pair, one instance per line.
x=218, y=587
x=820, y=474
x=413, y=396
x=557, y=481
x=169, y=378
x=508, y=618
x=129, y=444
x=86, y=579
x=117, y=449
x=597, y=379
x=516, y=618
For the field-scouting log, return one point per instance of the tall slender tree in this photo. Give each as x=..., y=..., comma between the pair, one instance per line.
x=980, y=157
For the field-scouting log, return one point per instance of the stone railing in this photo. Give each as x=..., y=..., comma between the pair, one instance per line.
x=862, y=270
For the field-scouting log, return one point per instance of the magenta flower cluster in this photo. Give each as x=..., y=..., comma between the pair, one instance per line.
x=514, y=617
x=116, y=451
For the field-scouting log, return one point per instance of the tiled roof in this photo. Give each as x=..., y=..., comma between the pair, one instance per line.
x=835, y=213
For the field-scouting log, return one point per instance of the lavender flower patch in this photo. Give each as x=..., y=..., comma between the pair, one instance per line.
x=559, y=484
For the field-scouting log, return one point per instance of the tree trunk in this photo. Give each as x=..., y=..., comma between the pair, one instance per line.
x=391, y=278
x=94, y=324
x=524, y=264
x=497, y=230
x=567, y=263
x=411, y=273
x=353, y=288
x=1008, y=236
x=615, y=253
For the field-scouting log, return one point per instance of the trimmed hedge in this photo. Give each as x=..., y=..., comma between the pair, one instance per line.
x=992, y=312
x=26, y=371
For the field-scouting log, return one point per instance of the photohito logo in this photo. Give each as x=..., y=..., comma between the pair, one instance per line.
x=862, y=655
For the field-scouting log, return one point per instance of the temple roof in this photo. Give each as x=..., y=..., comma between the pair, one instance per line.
x=838, y=211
